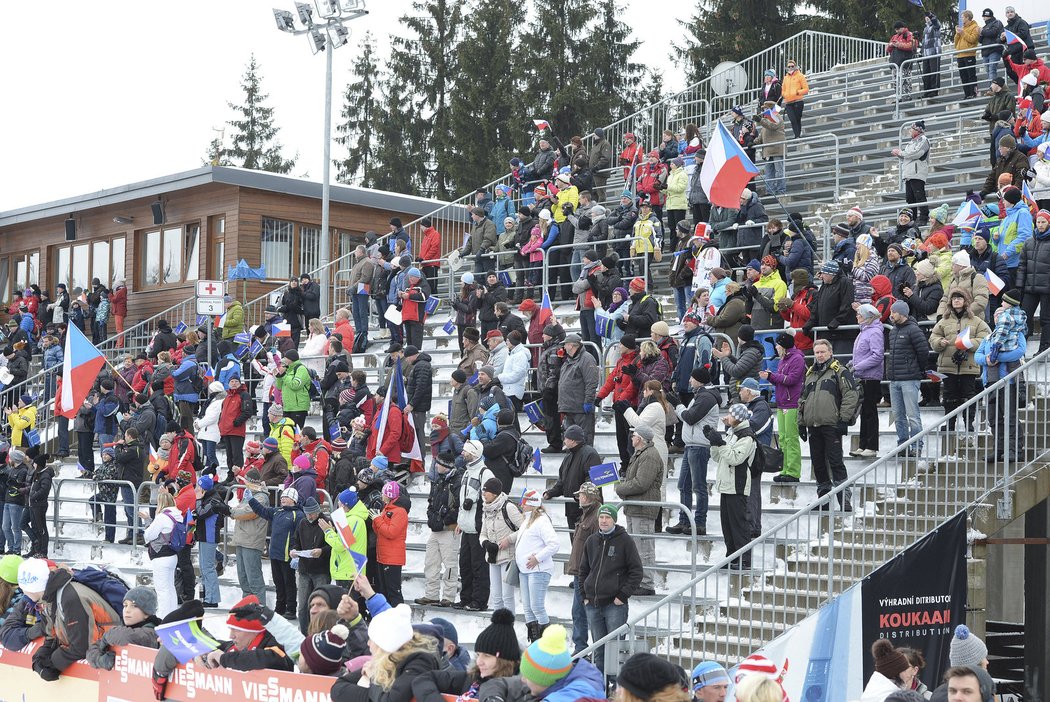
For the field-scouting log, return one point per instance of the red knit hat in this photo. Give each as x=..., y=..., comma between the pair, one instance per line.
x=770, y=261
x=494, y=334
x=637, y=285
x=527, y=305
x=1044, y=213
x=245, y=624
x=938, y=240
x=758, y=664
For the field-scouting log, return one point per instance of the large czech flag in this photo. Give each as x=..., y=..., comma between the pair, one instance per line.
x=80, y=368
x=727, y=170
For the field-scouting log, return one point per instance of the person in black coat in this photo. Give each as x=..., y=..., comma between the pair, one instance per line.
x=35, y=520
x=832, y=307
x=908, y=351
x=644, y=312
x=164, y=340
x=293, y=308
x=131, y=462
x=574, y=471
x=311, y=293
x=492, y=292
x=983, y=257
x=419, y=388
x=503, y=447
x=507, y=321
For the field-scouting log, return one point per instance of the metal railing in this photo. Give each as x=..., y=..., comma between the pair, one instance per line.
x=946, y=77
x=960, y=463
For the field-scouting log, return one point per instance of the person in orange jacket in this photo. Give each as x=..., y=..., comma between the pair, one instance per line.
x=391, y=527
x=430, y=252
x=413, y=307
x=794, y=87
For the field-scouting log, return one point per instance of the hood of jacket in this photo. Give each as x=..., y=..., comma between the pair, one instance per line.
x=55, y=582
x=584, y=680
x=496, y=504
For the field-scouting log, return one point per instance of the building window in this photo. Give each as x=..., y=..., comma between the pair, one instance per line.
x=170, y=255
x=277, y=249
x=293, y=249
x=217, y=261
x=309, y=249
x=77, y=264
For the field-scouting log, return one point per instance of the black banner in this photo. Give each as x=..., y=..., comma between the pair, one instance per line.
x=918, y=598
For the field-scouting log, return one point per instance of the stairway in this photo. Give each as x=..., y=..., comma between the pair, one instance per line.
x=1005, y=641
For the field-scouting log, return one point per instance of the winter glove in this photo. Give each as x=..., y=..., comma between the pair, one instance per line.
x=630, y=370
x=843, y=428
x=588, y=407
x=622, y=324
x=253, y=613
x=716, y=438
x=238, y=422
x=833, y=325
x=160, y=684
x=36, y=631
x=491, y=551
x=803, y=433
x=959, y=357
x=47, y=673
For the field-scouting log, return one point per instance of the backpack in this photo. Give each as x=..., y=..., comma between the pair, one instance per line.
x=106, y=583
x=522, y=459
x=197, y=379
x=315, y=385
x=180, y=533
x=506, y=517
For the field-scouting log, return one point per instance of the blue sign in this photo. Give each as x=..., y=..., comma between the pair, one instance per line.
x=432, y=304
x=185, y=640
x=604, y=474
x=533, y=412
x=450, y=326
x=180, y=327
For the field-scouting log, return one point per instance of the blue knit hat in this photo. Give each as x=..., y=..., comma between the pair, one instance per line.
x=270, y=443
x=414, y=273
x=348, y=497
x=627, y=194
x=205, y=482
x=709, y=673
x=753, y=263
x=380, y=463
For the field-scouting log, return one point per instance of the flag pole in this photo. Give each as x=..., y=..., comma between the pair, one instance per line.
x=117, y=373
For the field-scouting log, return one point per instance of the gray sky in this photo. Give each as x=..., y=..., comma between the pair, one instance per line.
x=98, y=95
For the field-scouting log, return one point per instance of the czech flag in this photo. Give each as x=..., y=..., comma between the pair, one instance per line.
x=1029, y=199
x=963, y=342
x=772, y=114
x=967, y=216
x=727, y=170
x=541, y=124
x=281, y=329
x=220, y=321
x=396, y=388
x=80, y=367
x=546, y=312
x=995, y=283
x=1012, y=38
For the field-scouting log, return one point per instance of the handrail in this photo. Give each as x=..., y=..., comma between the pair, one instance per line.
x=999, y=399
x=905, y=72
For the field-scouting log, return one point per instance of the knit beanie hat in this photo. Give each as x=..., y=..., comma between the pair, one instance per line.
x=709, y=673
x=9, y=568
x=392, y=628
x=701, y=374
x=644, y=674
x=311, y=506
x=746, y=332
x=302, y=461
x=757, y=664
x=1012, y=194
x=785, y=340
x=291, y=493
x=348, y=497
x=1013, y=297
x=740, y=412
x=888, y=660
x=870, y=311
x=270, y=443
x=961, y=258
x=546, y=660
x=609, y=509
x=925, y=268
x=498, y=638
x=145, y=598
x=940, y=214
x=900, y=307
x=966, y=648
x=235, y=622
x=33, y=574
x=323, y=651
x=800, y=278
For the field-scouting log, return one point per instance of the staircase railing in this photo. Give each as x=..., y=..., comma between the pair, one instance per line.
x=803, y=562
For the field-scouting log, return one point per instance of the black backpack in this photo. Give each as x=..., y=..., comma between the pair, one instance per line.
x=523, y=457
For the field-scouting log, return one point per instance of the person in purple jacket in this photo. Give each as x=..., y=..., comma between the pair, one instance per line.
x=787, y=381
x=867, y=365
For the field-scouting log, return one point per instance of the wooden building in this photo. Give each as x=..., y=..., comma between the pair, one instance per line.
x=207, y=220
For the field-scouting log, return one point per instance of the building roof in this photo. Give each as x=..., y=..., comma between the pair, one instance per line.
x=227, y=175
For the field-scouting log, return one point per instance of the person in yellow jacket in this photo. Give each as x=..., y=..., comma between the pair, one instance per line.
x=793, y=88
x=343, y=567
x=647, y=235
x=567, y=192
x=967, y=36
x=282, y=429
x=21, y=419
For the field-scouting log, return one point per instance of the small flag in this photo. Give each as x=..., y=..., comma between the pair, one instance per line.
x=334, y=431
x=995, y=283
x=220, y=321
x=432, y=304
x=541, y=124
x=967, y=216
x=604, y=473
x=537, y=461
x=81, y=468
x=209, y=374
x=546, y=312
x=935, y=376
x=255, y=348
x=533, y=412
x=342, y=527
x=281, y=329
x=241, y=338
x=152, y=455
x=1012, y=38
x=364, y=288
x=963, y=342
x=1026, y=195
x=185, y=640
x=450, y=326
x=604, y=325
x=504, y=277
x=360, y=560
x=180, y=327
x=473, y=380
x=772, y=114
x=201, y=319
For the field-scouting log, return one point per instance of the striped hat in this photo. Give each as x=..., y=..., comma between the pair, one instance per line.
x=709, y=673
x=547, y=660
x=757, y=664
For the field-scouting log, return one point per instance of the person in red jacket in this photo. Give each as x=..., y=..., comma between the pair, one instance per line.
x=413, y=301
x=344, y=328
x=143, y=373
x=1030, y=62
x=620, y=383
x=430, y=252
x=796, y=309
x=237, y=409
x=318, y=449
x=391, y=446
x=391, y=528
x=652, y=180
x=631, y=155
x=186, y=502
x=118, y=304
x=531, y=310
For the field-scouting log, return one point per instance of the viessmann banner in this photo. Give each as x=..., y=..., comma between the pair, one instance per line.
x=916, y=600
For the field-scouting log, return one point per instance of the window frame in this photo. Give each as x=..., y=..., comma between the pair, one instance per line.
x=182, y=238
x=117, y=266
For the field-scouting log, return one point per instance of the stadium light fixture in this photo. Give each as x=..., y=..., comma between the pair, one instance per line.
x=306, y=14
x=285, y=20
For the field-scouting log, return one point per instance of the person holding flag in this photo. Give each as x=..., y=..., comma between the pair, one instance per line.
x=1033, y=277
x=955, y=338
x=771, y=136
x=965, y=277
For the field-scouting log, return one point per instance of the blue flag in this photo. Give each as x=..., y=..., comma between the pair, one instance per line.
x=360, y=560
x=537, y=461
x=504, y=277
x=334, y=432
x=604, y=473
x=432, y=304
x=533, y=412
x=917, y=3
x=450, y=326
x=185, y=639
x=179, y=328
x=202, y=319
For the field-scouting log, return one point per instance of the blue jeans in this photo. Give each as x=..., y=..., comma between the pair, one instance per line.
x=576, y=262
x=359, y=308
x=775, y=175
x=579, y=617
x=603, y=620
x=681, y=300
x=250, y=573
x=209, y=574
x=210, y=459
x=904, y=399
x=692, y=480
x=12, y=526
x=127, y=496
x=991, y=65
x=534, y=596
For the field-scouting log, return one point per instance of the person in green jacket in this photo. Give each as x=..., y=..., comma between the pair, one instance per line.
x=343, y=566
x=234, y=322
x=293, y=380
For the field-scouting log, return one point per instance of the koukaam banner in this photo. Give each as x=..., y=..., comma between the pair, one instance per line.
x=918, y=598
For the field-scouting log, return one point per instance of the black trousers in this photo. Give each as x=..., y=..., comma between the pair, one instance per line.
x=968, y=75
x=185, y=578
x=1041, y=300
x=754, y=505
x=86, y=450
x=284, y=583
x=673, y=218
x=700, y=213
x=736, y=526
x=414, y=334
x=623, y=437
x=36, y=522
x=390, y=584
x=957, y=390
x=794, y=111
x=825, y=450
x=869, y=414
x=588, y=332
x=234, y=447
x=560, y=277
x=473, y=572
x=298, y=417
x=552, y=420
x=915, y=192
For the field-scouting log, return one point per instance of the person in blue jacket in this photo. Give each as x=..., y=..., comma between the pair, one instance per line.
x=283, y=519
x=486, y=427
x=996, y=365
x=1015, y=229
x=229, y=366
x=186, y=395
x=106, y=410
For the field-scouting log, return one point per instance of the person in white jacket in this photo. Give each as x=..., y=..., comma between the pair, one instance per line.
x=654, y=412
x=499, y=520
x=207, y=426
x=516, y=369
x=893, y=672
x=316, y=348
x=1040, y=160
x=163, y=558
x=535, y=544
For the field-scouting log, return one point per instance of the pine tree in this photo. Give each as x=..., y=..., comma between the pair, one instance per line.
x=614, y=83
x=486, y=113
x=357, y=130
x=425, y=63
x=399, y=151
x=555, y=85
x=731, y=30
x=874, y=20
x=255, y=142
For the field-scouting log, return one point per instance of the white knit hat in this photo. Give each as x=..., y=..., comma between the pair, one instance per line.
x=740, y=413
x=33, y=574
x=290, y=493
x=392, y=628
x=961, y=258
